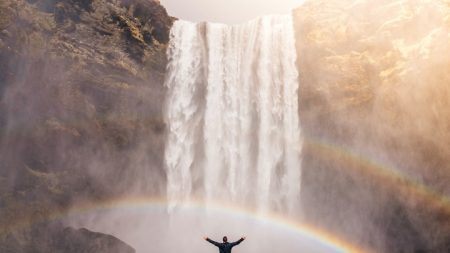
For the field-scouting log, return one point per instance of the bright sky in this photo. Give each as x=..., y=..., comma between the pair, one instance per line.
x=227, y=11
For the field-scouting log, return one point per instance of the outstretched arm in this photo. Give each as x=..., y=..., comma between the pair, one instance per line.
x=211, y=241
x=238, y=241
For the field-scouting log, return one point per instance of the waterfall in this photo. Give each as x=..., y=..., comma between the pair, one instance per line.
x=232, y=114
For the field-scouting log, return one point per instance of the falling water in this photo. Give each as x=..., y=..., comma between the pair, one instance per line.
x=232, y=113
x=234, y=138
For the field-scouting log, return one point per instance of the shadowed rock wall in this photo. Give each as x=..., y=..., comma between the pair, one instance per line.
x=81, y=97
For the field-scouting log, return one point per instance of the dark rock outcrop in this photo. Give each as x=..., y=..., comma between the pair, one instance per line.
x=53, y=239
x=83, y=240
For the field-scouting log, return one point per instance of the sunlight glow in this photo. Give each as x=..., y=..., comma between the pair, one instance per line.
x=227, y=11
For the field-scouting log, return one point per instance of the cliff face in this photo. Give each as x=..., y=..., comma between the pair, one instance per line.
x=81, y=89
x=374, y=98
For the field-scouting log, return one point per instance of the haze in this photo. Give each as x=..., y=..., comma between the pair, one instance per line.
x=227, y=11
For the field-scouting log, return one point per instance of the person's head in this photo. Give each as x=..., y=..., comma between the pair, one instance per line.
x=225, y=239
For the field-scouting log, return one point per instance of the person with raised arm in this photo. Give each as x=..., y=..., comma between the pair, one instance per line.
x=225, y=247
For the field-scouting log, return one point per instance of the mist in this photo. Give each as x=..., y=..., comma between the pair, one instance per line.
x=373, y=116
x=80, y=118
x=211, y=154
x=342, y=129
x=149, y=228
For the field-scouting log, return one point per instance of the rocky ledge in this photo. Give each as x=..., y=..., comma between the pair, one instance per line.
x=68, y=240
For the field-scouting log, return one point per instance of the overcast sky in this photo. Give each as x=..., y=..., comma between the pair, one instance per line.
x=227, y=11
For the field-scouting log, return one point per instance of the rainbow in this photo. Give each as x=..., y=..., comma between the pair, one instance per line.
x=383, y=174
x=353, y=162
x=152, y=203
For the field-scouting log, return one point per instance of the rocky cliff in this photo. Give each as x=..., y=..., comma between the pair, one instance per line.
x=375, y=96
x=81, y=87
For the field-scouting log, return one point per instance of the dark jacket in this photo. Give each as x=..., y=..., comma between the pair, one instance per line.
x=226, y=246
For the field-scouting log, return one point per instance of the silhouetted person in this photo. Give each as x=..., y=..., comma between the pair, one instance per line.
x=225, y=247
